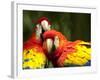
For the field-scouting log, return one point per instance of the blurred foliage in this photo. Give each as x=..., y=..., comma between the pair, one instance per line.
x=73, y=25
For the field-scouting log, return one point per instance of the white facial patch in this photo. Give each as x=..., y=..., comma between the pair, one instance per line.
x=39, y=28
x=38, y=31
x=56, y=41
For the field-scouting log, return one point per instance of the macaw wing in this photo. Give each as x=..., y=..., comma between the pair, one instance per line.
x=76, y=54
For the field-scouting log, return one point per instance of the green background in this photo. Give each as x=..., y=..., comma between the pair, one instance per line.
x=75, y=26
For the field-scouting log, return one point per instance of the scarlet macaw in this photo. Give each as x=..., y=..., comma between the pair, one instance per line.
x=33, y=52
x=67, y=53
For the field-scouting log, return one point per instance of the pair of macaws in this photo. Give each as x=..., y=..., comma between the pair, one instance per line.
x=47, y=46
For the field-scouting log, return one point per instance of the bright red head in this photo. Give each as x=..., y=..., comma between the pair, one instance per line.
x=45, y=23
x=53, y=33
x=42, y=19
x=54, y=38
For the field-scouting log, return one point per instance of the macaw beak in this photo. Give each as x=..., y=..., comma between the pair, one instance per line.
x=52, y=45
x=45, y=25
x=49, y=45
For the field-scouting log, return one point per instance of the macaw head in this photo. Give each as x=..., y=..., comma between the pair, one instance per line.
x=42, y=25
x=44, y=22
x=52, y=40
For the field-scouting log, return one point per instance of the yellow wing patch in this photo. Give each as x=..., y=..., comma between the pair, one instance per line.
x=33, y=59
x=80, y=57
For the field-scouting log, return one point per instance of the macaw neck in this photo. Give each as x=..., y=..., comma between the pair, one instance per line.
x=35, y=39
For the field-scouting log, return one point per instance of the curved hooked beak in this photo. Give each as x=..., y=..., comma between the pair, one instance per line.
x=49, y=45
x=52, y=45
x=45, y=25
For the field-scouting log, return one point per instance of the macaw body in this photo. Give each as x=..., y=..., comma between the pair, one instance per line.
x=33, y=53
x=68, y=53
